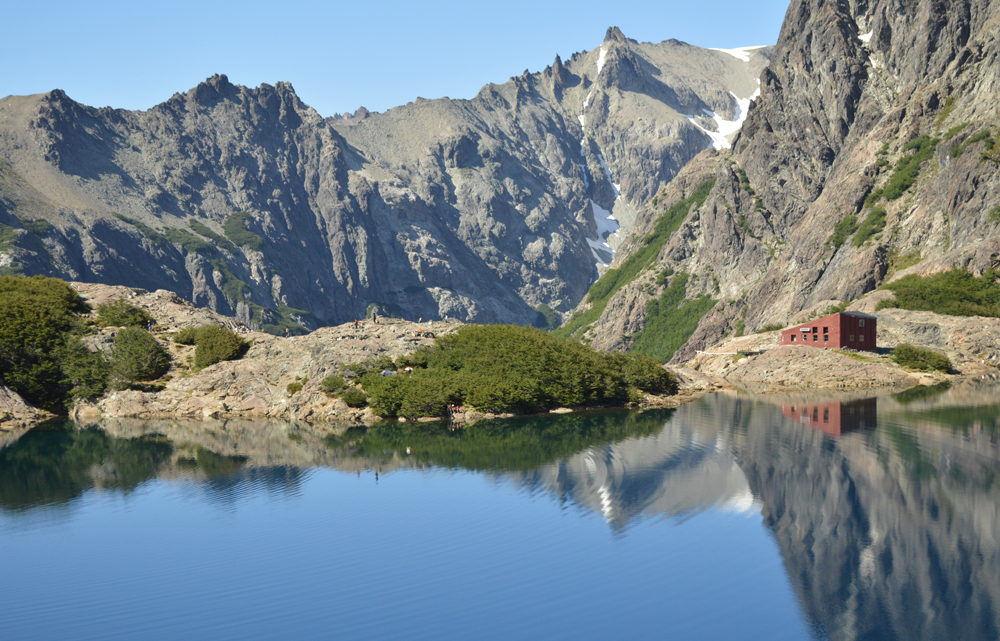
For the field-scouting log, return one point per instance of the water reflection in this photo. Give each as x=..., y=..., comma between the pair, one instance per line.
x=886, y=511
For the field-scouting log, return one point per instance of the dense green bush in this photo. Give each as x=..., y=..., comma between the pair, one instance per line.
x=955, y=293
x=504, y=368
x=354, y=397
x=215, y=344
x=137, y=356
x=120, y=313
x=40, y=356
x=332, y=385
x=919, y=358
x=186, y=336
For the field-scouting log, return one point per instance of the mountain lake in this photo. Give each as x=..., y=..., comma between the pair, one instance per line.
x=798, y=516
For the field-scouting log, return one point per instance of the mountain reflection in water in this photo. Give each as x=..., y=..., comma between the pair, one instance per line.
x=886, y=511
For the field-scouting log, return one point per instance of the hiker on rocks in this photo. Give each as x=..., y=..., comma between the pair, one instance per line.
x=375, y=316
x=355, y=323
x=286, y=332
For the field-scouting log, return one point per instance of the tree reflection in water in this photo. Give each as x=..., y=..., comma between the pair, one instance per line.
x=886, y=511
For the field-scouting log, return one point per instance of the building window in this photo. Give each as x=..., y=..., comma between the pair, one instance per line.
x=815, y=337
x=826, y=338
x=852, y=338
x=826, y=414
x=793, y=338
x=861, y=338
x=814, y=330
x=826, y=330
x=861, y=323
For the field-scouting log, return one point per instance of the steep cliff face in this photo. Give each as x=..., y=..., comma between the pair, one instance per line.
x=249, y=202
x=877, y=116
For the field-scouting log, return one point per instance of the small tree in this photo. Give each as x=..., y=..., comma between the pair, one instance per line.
x=120, y=313
x=137, y=356
x=217, y=344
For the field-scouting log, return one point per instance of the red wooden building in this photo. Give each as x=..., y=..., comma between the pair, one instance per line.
x=852, y=330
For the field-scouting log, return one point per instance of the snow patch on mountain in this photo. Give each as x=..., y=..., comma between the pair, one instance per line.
x=600, y=60
x=743, y=53
x=726, y=128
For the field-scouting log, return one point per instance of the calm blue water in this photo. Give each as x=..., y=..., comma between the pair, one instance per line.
x=730, y=518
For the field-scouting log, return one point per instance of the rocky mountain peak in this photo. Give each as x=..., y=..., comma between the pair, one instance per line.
x=614, y=34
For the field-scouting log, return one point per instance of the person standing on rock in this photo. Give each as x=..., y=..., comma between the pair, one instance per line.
x=375, y=316
x=355, y=323
x=286, y=332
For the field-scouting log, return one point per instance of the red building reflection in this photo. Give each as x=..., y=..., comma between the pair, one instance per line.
x=835, y=417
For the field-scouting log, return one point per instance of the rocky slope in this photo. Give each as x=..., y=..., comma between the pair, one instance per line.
x=249, y=202
x=878, y=116
x=258, y=385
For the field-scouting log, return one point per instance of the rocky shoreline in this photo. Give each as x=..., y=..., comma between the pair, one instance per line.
x=279, y=378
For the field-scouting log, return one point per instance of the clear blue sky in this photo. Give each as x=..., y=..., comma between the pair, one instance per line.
x=338, y=55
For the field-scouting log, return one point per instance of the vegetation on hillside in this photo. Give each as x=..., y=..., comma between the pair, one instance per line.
x=237, y=231
x=213, y=344
x=43, y=358
x=955, y=293
x=506, y=368
x=872, y=224
x=671, y=319
x=906, y=171
x=842, y=231
x=614, y=279
x=120, y=313
x=918, y=358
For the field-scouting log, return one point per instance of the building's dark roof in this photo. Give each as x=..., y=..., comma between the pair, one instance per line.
x=858, y=315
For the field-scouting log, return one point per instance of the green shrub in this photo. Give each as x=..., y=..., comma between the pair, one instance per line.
x=332, y=385
x=85, y=372
x=236, y=230
x=120, y=313
x=918, y=358
x=873, y=223
x=671, y=319
x=503, y=368
x=294, y=387
x=955, y=293
x=187, y=336
x=842, y=230
x=37, y=316
x=770, y=327
x=614, y=279
x=995, y=215
x=137, y=356
x=354, y=397
x=215, y=344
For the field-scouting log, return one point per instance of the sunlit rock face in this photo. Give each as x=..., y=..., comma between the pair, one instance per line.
x=478, y=209
x=850, y=89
